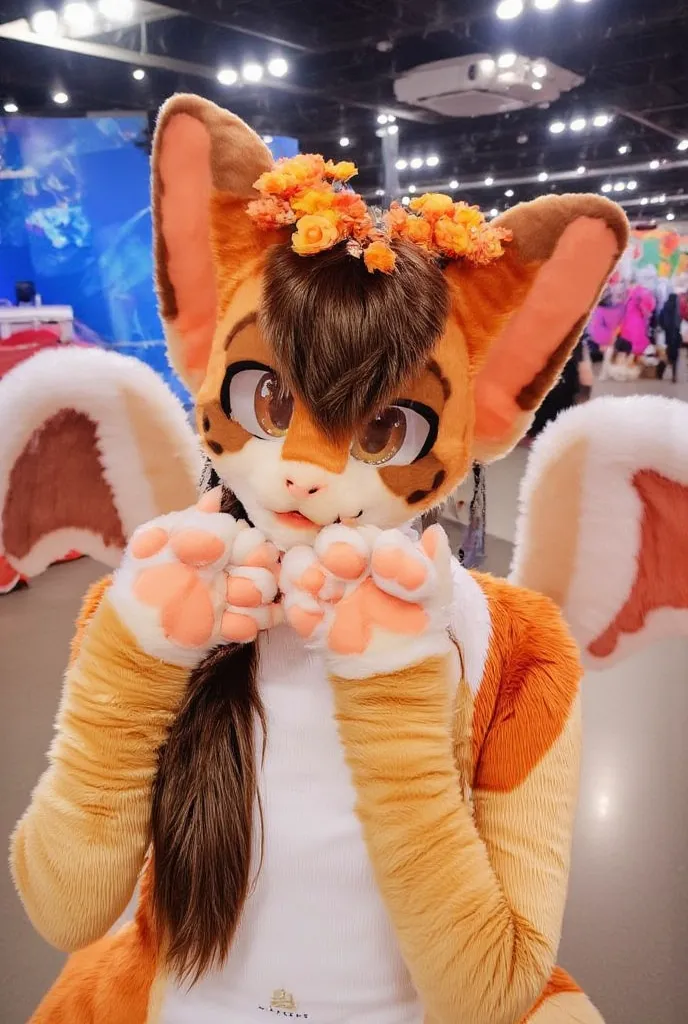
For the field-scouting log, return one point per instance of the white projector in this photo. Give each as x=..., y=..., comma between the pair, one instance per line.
x=482, y=84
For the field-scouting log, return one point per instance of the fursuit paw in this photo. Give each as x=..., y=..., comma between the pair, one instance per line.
x=373, y=601
x=192, y=580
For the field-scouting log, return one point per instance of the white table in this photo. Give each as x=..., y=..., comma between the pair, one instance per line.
x=21, y=318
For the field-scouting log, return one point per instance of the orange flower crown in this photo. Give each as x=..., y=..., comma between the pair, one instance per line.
x=311, y=194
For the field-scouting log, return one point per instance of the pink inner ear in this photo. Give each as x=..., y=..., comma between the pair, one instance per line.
x=564, y=289
x=184, y=166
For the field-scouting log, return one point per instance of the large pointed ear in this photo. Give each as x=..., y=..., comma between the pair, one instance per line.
x=92, y=444
x=603, y=525
x=523, y=314
x=205, y=161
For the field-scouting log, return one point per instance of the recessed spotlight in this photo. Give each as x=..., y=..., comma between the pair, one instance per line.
x=252, y=72
x=278, y=67
x=344, y=141
x=392, y=129
x=601, y=120
x=508, y=9
x=662, y=198
x=624, y=149
x=654, y=165
x=60, y=97
x=509, y=193
x=227, y=76
x=620, y=186
x=79, y=16
x=412, y=189
x=405, y=200
x=539, y=69
x=644, y=201
x=401, y=165
x=557, y=127
x=489, y=180
x=607, y=187
x=391, y=118
x=546, y=5
x=139, y=74
x=416, y=163
x=116, y=10
x=632, y=185
x=578, y=124
x=45, y=23
x=267, y=139
x=581, y=1
x=379, y=191
x=506, y=60
x=536, y=86
x=654, y=200
x=453, y=184
x=382, y=119
x=543, y=176
x=487, y=65
x=581, y=169
x=671, y=216
x=682, y=145
x=10, y=107
x=432, y=160
x=494, y=211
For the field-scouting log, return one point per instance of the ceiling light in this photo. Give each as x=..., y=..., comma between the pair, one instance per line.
x=494, y=211
x=607, y=187
x=509, y=193
x=453, y=184
x=405, y=200
x=379, y=191
x=10, y=107
x=382, y=119
x=139, y=74
x=578, y=124
x=227, y=76
x=581, y=1
x=654, y=165
x=623, y=150
x=557, y=127
x=416, y=163
x=432, y=160
x=632, y=185
x=489, y=181
x=506, y=60
x=546, y=5
x=539, y=69
x=644, y=201
x=392, y=129
x=581, y=169
x=620, y=186
x=412, y=188
x=60, y=97
x=601, y=120
x=79, y=16
x=252, y=72
x=267, y=139
x=543, y=176
x=662, y=198
x=278, y=67
x=391, y=118
x=537, y=86
x=344, y=141
x=45, y=23
x=682, y=145
x=671, y=216
x=116, y=10
x=508, y=9
x=401, y=165
x=487, y=65
x=654, y=200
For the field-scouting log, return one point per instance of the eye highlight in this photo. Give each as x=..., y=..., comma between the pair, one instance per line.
x=253, y=396
x=396, y=436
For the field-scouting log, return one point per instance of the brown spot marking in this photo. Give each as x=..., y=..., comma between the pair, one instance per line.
x=215, y=446
x=437, y=482
x=663, y=543
x=206, y=423
x=434, y=368
x=83, y=499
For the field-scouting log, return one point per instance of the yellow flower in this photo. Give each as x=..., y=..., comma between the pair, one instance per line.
x=304, y=169
x=274, y=183
x=313, y=200
x=451, y=238
x=432, y=205
x=469, y=216
x=341, y=171
x=379, y=256
x=314, y=232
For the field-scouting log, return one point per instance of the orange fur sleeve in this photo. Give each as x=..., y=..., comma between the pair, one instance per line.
x=476, y=896
x=77, y=851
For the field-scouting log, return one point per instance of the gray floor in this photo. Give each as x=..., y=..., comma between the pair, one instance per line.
x=626, y=928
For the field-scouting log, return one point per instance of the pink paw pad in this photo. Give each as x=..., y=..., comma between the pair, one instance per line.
x=148, y=543
x=394, y=564
x=243, y=592
x=312, y=580
x=343, y=560
x=237, y=627
x=305, y=623
x=265, y=556
x=197, y=547
x=187, y=611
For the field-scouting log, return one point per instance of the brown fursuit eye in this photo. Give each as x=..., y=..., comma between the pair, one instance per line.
x=273, y=405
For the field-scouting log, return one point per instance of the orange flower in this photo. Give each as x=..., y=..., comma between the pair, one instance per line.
x=270, y=212
x=379, y=256
x=469, y=216
x=433, y=205
x=304, y=169
x=395, y=219
x=275, y=183
x=313, y=200
x=488, y=246
x=341, y=171
x=314, y=232
x=419, y=231
x=452, y=239
x=349, y=204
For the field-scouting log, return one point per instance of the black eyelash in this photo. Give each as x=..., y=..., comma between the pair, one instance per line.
x=230, y=374
x=432, y=419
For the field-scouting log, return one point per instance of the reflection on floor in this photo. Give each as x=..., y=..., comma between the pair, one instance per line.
x=626, y=928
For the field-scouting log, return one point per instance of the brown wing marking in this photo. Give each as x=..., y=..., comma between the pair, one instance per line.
x=58, y=483
x=662, y=575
